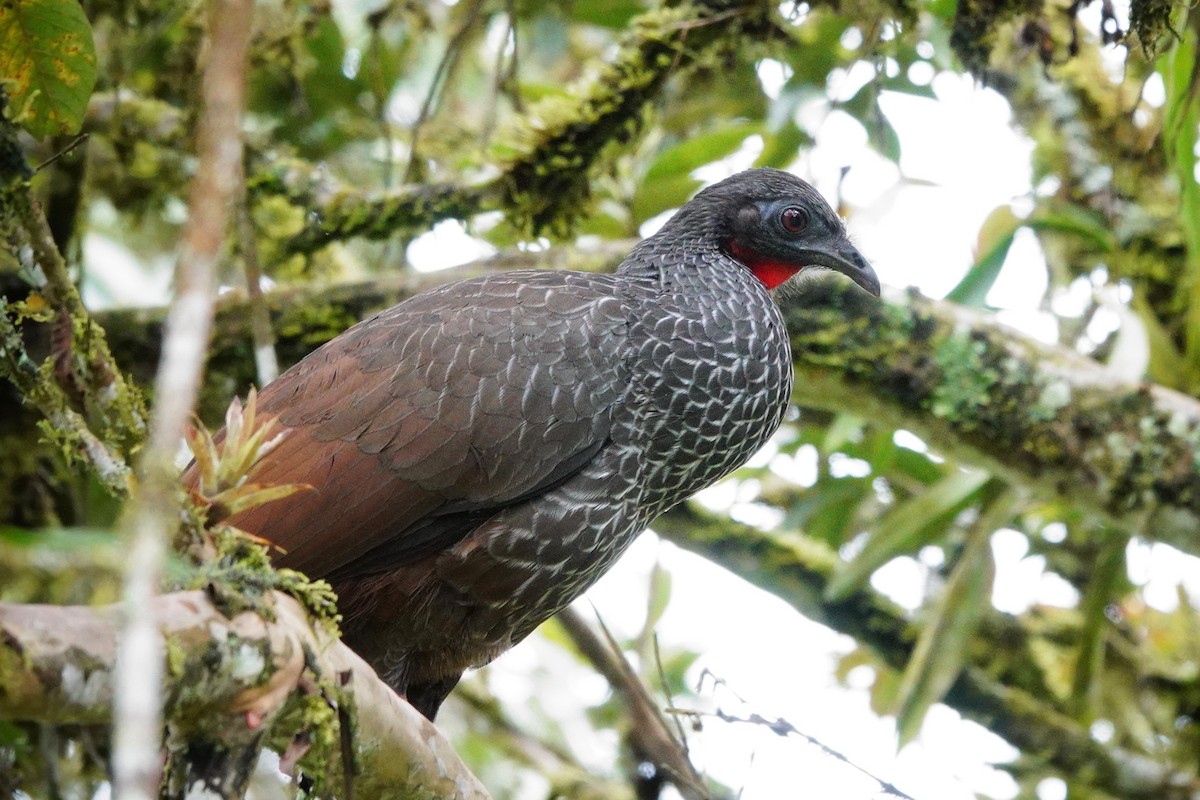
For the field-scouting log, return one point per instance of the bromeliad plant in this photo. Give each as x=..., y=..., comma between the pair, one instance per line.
x=235, y=564
x=226, y=462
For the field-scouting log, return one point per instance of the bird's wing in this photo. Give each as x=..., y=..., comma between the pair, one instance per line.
x=420, y=423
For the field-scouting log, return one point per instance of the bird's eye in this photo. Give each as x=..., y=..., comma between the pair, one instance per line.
x=793, y=219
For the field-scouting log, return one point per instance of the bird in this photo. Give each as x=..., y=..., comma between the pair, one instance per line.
x=482, y=452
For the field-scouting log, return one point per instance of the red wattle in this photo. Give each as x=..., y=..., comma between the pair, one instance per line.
x=770, y=273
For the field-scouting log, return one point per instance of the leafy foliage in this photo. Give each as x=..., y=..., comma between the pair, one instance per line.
x=47, y=64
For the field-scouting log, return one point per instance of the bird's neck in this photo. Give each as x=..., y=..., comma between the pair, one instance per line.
x=770, y=272
x=658, y=257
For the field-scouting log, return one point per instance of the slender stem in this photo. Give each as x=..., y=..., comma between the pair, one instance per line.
x=139, y=673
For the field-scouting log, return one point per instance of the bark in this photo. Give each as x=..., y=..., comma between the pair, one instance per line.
x=232, y=680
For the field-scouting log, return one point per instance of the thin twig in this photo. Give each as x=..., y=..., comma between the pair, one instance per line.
x=441, y=77
x=139, y=662
x=266, y=362
x=648, y=729
x=662, y=679
x=71, y=145
x=781, y=727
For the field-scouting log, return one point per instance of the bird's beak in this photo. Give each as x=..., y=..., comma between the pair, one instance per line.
x=844, y=258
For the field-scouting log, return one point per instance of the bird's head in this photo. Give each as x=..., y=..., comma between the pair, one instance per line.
x=776, y=225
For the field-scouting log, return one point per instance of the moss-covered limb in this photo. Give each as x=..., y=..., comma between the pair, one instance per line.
x=61, y=424
x=227, y=675
x=81, y=364
x=798, y=569
x=337, y=212
x=1047, y=418
x=545, y=185
x=1029, y=725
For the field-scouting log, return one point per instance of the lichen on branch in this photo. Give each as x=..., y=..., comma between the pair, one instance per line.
x=1044, y=417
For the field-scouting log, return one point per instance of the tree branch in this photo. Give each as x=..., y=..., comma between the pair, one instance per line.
x=227, y=676
x=1044, y=417
x=652, y=737
x=544, y=184
x=153, y=510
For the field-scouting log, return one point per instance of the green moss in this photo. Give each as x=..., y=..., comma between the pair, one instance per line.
x=548, y=188
x=311, y=715
x=241, y=577
x=313, y=324
x=275, y=217
x=967, y=378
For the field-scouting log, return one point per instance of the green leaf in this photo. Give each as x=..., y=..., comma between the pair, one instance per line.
x=1071, y=219
x=943, y=644
x=614, y=14
x=658, y=195
x=659, y=597
x=1167, y=365
x=232, y=502
x=917, y=466
x=1109, y=581
x=13, y=738
x=882, y=135
x=783, y=146
x=47, y=64
x=1181, y=76
x=995, y=239
x=826, y=511
x=905, y=528
x=668, y=182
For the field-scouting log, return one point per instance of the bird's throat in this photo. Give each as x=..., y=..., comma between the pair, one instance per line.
x=770, y=272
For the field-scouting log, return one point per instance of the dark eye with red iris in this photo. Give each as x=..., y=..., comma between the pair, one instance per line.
x=793, y=219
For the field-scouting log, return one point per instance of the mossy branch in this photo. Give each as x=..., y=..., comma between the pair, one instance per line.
x=231, y=677
x=89, y=409
x=1047, y=418
x=542, y=186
